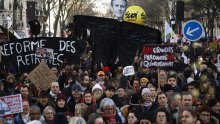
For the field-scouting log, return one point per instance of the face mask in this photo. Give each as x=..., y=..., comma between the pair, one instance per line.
x=9, y=122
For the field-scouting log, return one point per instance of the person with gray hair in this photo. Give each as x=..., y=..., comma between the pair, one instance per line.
x=109, y=111
x=118, y=8
x=77, y=120
x=48, y=114
x=35, y=113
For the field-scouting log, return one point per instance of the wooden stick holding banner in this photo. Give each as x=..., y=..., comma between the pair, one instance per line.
x=0, y=54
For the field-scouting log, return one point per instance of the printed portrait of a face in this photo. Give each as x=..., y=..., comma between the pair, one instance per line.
x=118, y=8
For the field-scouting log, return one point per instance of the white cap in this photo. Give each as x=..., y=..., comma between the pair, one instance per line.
x=97, y=86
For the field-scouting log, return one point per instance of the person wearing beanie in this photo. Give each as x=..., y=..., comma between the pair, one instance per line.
x=61, y=105
x=97, y=91
x=76, y=95
x=189, y=80
x=144, y=81
x=146, y=98
x=101, y=75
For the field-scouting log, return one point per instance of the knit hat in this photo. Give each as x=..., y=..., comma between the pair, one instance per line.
x=145, y=90
x=101, y=73
x=76, y=87
x=189, y=80
x=2, y=80
x=97, y=86
x=61, y=96
x=144, y=79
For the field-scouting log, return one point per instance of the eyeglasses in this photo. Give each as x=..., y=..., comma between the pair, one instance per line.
x=199, y=104
x=77, y=90
x=8, y=119
x=49, y=113
x=109, y=109
x=205, y=115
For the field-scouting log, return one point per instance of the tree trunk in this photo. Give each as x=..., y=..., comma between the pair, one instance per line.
x=57, y=18
x=15, y=5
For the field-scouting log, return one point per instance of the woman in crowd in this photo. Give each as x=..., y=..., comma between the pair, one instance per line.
x=188, y=116
x=9, y=119
x=80, y=109
x=162, y=116
x=132, y=117
x=88, y=99
x=48, y=114
x=10, y=85
x=95, y=119
x=61, y=105
x=109, y=112
x=77, y=120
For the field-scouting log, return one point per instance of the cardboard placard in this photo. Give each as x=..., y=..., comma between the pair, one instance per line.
x=42, y=76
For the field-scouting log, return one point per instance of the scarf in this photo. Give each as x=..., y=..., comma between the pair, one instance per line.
x=53, y=95
x=109, y=118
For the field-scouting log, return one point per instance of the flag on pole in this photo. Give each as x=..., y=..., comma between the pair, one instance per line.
x=169, y=34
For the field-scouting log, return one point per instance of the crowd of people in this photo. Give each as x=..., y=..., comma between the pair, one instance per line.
x=187, y=93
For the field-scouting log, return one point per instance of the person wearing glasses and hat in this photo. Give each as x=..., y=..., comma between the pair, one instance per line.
x=75, y=97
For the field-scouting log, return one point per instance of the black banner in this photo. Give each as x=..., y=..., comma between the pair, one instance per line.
x=111, y=39
x=22, y=53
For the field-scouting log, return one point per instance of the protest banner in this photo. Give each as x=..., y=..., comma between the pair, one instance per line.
x=113, y=40
x=128, y=70
x=157, y=56
x=42, y=76
x=10, y=104
x=22, y=53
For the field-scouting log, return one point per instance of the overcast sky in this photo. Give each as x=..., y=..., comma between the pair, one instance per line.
x=102, y=5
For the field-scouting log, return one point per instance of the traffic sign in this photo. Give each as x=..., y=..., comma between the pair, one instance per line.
x=192, y=30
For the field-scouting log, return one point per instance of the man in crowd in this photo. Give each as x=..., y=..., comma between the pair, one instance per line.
x=54, y=90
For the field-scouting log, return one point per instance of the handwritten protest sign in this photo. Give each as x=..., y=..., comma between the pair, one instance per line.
x=10, y=104
x=128, y=70
x=42, y=76
x=157, y=56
